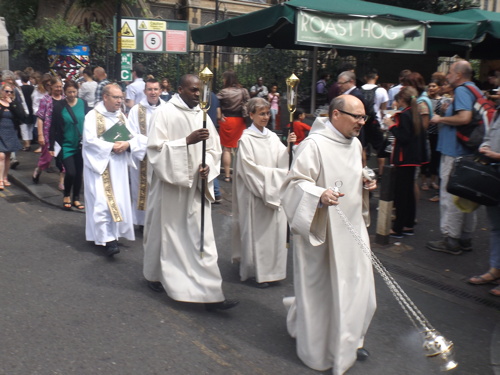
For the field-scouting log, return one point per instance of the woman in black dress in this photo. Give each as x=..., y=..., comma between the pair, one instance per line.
x=10, y=119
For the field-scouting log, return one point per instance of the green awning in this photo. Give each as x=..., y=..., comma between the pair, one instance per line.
x=276, y=26
x=489, y=21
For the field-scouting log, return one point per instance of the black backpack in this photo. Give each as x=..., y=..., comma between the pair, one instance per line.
x=370, y=101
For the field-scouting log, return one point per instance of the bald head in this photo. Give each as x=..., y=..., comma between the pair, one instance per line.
x=346, y=113
x=463, y=67
x=459, y=73
x=99, y=74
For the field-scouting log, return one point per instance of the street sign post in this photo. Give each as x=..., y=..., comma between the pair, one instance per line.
x=126, y=67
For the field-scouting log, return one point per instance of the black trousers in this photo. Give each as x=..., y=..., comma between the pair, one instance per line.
x=74, y=175
x=404, y=198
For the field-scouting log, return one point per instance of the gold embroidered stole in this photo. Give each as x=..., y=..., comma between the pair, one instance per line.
x=143, y=180
x=108, y=187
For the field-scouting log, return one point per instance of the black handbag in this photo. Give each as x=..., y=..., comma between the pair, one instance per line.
x=475, y=181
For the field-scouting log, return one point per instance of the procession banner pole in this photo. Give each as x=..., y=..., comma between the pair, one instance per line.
x=292, y=84
x=206, y=79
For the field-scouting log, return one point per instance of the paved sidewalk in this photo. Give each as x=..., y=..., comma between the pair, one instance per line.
x=439, y=273
x=47, y=188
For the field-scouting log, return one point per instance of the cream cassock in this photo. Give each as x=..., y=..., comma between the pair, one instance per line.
x=333, y=279
x=172, y=226
x=97, y=157
x=259, y=223
x=138, y=175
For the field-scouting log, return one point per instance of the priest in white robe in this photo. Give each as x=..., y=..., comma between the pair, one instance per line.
x=107, y=193
x=172, y=229
x=333, y=279
x=139, y=119
x=259, y=223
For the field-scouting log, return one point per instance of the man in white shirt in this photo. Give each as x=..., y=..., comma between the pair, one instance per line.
x=376, y=99
x=135, y=91
x=395, y=89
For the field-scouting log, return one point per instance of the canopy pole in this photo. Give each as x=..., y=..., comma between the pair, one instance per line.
x=314, y=79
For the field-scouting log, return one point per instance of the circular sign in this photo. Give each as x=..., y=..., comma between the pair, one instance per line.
x=153, y=41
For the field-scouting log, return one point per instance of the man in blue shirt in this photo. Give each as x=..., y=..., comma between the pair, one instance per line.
x=456, y=226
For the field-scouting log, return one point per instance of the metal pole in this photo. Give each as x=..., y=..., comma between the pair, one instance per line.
x=118, y=31
x=314, y=79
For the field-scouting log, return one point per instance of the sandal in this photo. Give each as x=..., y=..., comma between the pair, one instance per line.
x=228, y=179
x=495, y=291
x=1, y=185
x=434, y=198
x=67, y=203
x=483, y=279
x=435, y=186
x=78, y=205
x=6, y=183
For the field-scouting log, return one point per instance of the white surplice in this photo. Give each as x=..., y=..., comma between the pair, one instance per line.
x=333, y=279
x=97, y=156
x=133, y=120
x=259, y=223
x=173, y=217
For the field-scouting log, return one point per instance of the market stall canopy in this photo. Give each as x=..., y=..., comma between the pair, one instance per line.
x=350, y=24
x=489, y=22
x=486, y=43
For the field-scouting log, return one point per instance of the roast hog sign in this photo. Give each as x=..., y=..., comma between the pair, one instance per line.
x=352, y=32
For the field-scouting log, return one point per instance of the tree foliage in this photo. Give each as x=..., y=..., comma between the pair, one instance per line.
x=53, y=33
x=57, y=32
x=18, y=14
x=431, y=6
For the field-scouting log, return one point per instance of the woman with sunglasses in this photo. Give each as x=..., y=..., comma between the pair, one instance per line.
x=10, y=119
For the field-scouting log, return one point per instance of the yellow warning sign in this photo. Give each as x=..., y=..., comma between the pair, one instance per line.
x=152, y=25
x=129, y=43
x=126, y=30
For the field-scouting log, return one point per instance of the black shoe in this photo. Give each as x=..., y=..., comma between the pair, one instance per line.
x=156, y=286
x=362, y=354
x=256, y=284
x=36, y=175
x=218, y=199
x=112, y=248
x=14, y=163
x=408, y=232
x=224, y=305
x=465, y=244
x=396, y=235
x=447, y=245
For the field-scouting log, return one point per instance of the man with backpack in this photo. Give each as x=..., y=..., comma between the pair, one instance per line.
x=456, y=226
x=376, y=99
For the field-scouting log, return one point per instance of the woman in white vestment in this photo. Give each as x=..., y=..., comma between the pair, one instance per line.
x=259, y=223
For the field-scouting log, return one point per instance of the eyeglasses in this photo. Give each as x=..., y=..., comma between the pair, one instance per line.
x=357, y=117
x=115, y=97
x=264, y=114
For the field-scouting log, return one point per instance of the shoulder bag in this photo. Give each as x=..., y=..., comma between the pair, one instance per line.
x=475, y=180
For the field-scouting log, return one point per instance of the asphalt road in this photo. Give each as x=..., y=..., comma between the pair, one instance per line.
x=66, y=309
